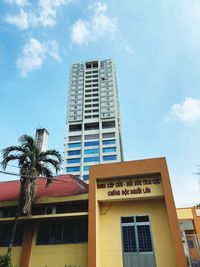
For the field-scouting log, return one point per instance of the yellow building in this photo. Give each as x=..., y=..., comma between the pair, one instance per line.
x=130, y=210
x=189, y=222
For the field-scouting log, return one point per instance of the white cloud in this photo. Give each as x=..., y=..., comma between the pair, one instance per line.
x=43, y=15
x=80, y=32
x=33, y=55
x=97, y=26
x=99, y=7
x=53, y=50
x=129, y=49
x=48, y=11
x=187, y=111
x=21, y=20
x=17, y=2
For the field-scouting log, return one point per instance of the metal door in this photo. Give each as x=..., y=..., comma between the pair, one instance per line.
x=137, y=242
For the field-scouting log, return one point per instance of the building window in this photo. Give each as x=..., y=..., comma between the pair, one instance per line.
x=109, y=149
x=73, y=169
x=72, y=145
x=109, y=142
x=5, y=234
x=85, y=177
x=74, y=152
x=91, y=159
x=70, y=231
x=108, y=135
x=92, y=143
x=86, y=168
x=91, y=151
x=91, y=136
x=112, y=157
x=75, y=138
x=78, y=160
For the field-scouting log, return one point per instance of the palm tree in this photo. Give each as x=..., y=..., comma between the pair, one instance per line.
x=32, y=163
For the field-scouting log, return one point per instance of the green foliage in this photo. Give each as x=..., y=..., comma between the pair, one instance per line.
x=5, y=261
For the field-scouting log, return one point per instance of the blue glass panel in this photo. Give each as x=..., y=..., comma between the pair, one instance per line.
x=91, y=159
x=71, y=145
x=73, y=169
x=74, y=160
x=85, y=177
x=91, y=151
x=109, y=157
x=86, y=168
x=109, y=142
x=91, y=143
x=109, y=149
x=74, y=152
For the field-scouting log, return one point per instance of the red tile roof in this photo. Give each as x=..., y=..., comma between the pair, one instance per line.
x=63, y=185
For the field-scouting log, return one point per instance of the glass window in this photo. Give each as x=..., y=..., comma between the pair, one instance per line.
x=144, y=238
x=91, y=159
x=75, y=138
x=5, y=235
x=112, y=157
x=91, y=136
x=109, y=142
x=129, y=239
x=74, y=145
x=86, y=168
x=85, y=177
x=73, y=169
x=108, y=135
x=92, y=143
x=109, y=149
x=73, y=230
x=74, y=152
x=91, y=151
x=78, y=160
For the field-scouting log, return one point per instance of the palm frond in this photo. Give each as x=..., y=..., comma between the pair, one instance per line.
x=6, y=151
x=53, y=153
x=55, y=163
x=26, y=140
x=7, y=159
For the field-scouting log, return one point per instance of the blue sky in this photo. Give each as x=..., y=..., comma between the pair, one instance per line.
x=156, y=47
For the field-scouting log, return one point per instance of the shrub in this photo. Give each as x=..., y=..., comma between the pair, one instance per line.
x=5, y=261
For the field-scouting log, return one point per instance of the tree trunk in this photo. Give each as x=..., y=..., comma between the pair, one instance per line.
x=28, y=189
x=17, y=215
x=12, y=237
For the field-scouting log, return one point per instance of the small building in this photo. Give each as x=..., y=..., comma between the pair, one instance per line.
x=128, y=218
x=189, y=221
x=56, y=233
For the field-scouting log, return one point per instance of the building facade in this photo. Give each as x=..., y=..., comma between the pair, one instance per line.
x=93, y=120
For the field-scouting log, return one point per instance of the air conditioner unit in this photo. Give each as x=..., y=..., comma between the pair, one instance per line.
x=50, y=210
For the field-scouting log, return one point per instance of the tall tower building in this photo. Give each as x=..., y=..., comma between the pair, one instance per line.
x=93, y=120
x=41, y=138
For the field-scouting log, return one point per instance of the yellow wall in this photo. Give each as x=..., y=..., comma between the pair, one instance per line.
x=130, y=188
x=16, y=254
x=110, y=228
x=184, y=214
x=58, y=255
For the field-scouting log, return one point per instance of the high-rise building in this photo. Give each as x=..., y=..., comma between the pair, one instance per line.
x=41, y=138
x=93, y=120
